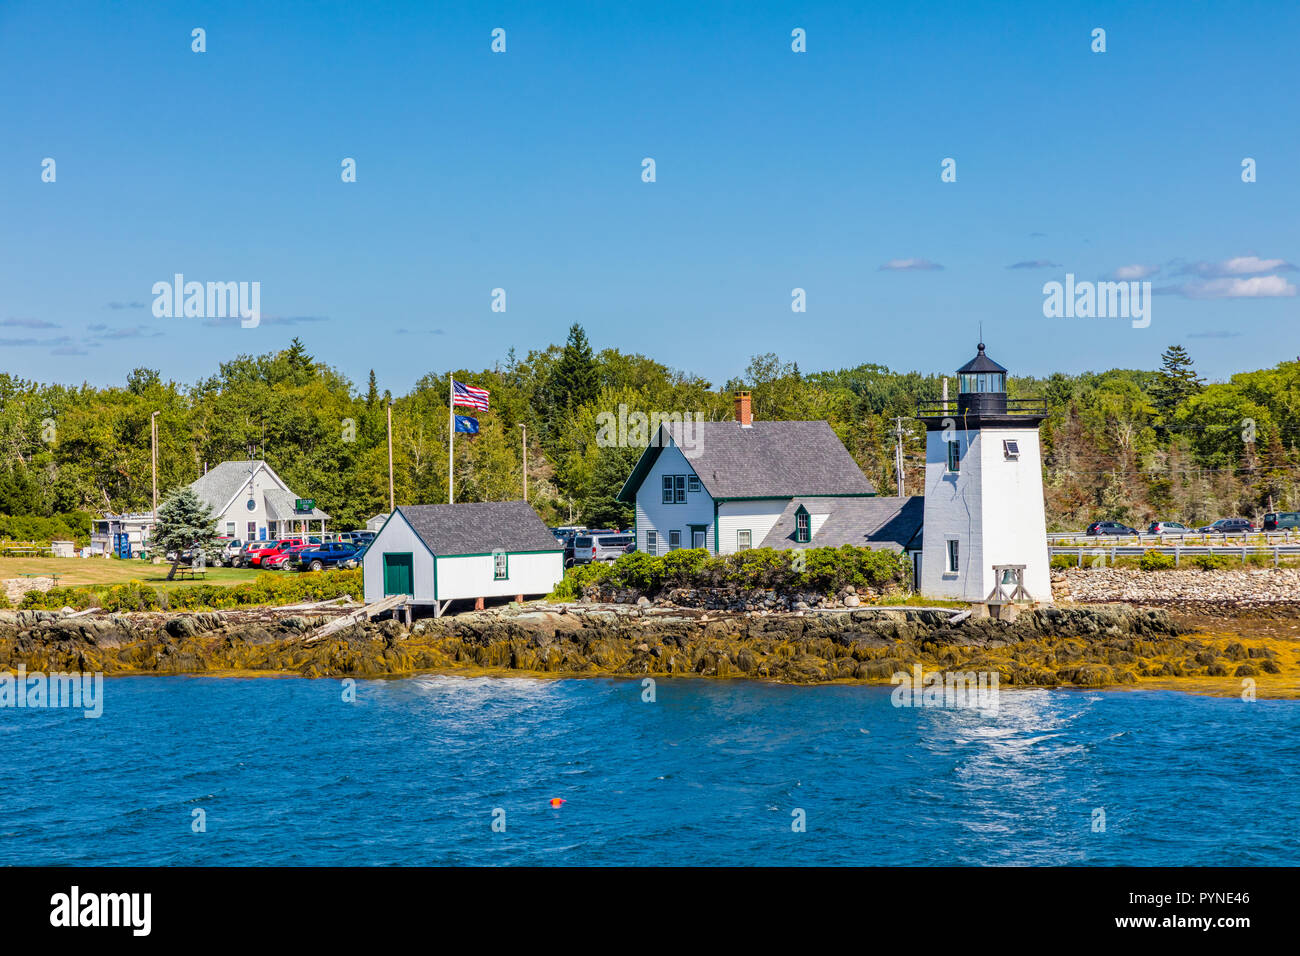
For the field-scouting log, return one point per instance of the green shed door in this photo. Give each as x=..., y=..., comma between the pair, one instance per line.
x=398, y=575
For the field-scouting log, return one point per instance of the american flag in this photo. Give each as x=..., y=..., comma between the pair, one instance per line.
x=467, y=396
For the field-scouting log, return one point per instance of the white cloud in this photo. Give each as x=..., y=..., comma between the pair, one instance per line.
x=909, y=265
x=1236, y=266
x=1134, y=272
x=1256, y=287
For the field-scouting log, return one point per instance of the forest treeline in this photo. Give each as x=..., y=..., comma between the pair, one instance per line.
x=1124, y=444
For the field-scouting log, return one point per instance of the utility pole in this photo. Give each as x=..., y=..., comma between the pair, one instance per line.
x=392, y=501
x=525, y=444
x=153, y=454
x=898, y=452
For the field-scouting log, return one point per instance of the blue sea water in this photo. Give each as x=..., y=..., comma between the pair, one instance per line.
x=711, y=772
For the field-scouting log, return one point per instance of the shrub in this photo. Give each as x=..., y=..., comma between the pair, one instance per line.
x=1062, y=561
x=1156, y=561
x=1213, y=562
x=822, y=569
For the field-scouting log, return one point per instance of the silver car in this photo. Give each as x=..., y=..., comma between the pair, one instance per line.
x=609, y=546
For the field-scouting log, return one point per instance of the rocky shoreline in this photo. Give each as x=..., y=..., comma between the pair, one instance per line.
x=1049, y=646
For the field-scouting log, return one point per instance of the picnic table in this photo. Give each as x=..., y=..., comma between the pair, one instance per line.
x=37, y=574
x=192, y=572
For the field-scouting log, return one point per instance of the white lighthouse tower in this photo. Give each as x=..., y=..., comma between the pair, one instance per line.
x=985, y=534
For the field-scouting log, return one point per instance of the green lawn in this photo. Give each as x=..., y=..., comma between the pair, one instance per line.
x=83, y=571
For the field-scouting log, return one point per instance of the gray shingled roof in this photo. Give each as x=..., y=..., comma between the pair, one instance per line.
x=222, y=481
x=480, y=527
x=891, y=523
x=765, y=460
x=219, y=485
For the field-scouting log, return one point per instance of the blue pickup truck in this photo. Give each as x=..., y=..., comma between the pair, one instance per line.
x=327, y=555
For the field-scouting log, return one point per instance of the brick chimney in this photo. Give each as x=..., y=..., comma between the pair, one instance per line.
x=744, y=413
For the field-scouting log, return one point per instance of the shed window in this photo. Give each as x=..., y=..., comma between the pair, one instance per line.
x=500, y=565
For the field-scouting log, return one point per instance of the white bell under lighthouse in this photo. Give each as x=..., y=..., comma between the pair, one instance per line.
x=985, y=532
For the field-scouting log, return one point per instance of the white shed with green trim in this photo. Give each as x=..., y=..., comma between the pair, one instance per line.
x=436, y=554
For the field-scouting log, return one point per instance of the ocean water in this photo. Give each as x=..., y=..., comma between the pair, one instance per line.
x=712, y=772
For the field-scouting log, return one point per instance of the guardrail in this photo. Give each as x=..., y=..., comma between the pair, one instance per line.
x=1190, y=539
x=1098, y=555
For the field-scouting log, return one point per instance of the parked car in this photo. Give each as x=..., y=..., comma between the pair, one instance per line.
x=262, y=549
x=358, y=538
x=1281, y=520
x=1168, y=527
x=327, y=554
x=230, y=549
x=1098, y=528
x=354, y=560
x=600, y=546
x=283, y=558
x=1227, y=526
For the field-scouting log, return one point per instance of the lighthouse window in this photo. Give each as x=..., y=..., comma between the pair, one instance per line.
x=954, y=456
x=1010, y=449
x=952, y=555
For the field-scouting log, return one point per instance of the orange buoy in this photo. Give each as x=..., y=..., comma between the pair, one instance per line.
x=556, y=802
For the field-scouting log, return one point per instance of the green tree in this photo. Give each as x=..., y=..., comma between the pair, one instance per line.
x=1176, y=381
x=184, y=523
x=577, y=377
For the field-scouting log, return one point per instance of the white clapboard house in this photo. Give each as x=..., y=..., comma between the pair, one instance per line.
x=436, y=554
x=733, y=485
x=252, y=503
x=249, y=501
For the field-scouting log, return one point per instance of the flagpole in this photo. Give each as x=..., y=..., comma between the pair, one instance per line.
x=451, y=433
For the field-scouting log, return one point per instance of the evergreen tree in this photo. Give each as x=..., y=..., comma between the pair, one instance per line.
x=184, y=523
x=1176, y=381
x=576, y=374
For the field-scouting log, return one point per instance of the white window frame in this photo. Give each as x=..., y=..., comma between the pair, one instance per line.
x=692, y=483
x=744, y=539
x=500, y=566
x=674, y=540
x=652, y=543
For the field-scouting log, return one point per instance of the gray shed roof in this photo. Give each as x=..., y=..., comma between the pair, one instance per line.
x=480, y=527
x=764, y=460
x=892, y=523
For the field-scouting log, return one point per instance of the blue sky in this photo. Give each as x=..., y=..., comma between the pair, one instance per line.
x=522, y=171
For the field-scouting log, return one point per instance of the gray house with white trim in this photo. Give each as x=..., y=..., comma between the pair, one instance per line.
x=436, y=554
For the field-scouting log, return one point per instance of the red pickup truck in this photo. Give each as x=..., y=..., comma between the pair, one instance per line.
x=263, y=549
